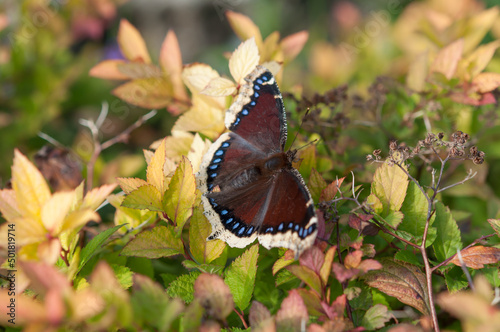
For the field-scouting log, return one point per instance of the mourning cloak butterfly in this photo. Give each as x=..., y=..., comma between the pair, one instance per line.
x=250, y=188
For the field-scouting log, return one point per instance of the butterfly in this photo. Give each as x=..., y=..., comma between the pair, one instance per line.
x=251, y=189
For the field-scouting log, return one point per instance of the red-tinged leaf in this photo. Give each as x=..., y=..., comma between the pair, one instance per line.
x=342, y=274
x=131, y=43
x=146, y=92
x=171, y=62
x=293, y=44
x=108, y=70
x=312, y=302
x=360, y=223
x=476, y=257
x=336, y=309
x=486, y=82
x=325, y=270
x=292, y=314
x=202, y=250
x=316, y=184
x=259, y=316
x=376, y=317
x=130, y=184
x=180, y=196
x=240, y=277
x=244, y=27
x=353, y=259
x=369, y=265
x=144, y=198
x=44, y=277
x=403, y=281
x=446, y=60
x=158, y=242
x=495, y=224
x=214, y=295
x=8, y=205
x=474, y=100
x=312, y=258
x=306, y=275
x=328, y=193
x=285, y=260
x=405, y=327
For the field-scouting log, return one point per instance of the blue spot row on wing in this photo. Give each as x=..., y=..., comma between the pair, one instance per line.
x=230, y=222
x=257, y=86
x=285, y=227
x=215, y=163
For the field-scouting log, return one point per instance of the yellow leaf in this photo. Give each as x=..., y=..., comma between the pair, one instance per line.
x=202, y=118
x=196, y=77
x=270, y=49
x=219, y=87
x=479, y=59
x=243, y=60
x=55, y=210
x=28, y=231
x=197, y=151
x=179, y=198
x=389, y=185
x=154, y=172
x=199, y=230
x=79, y=218
x=8, y=204
x=49, y=251
x=417, y=73
x=131, y=43
x=479, y=24
x=96, y=196
x=146, y=92
x=244, y=27
x=135, y=70
x=446, y=60
x=130, y=184
x=293, y=44
x=486, y=82
x=177, y=145
x=108, y=70
x=272, y=66
x=29, y=185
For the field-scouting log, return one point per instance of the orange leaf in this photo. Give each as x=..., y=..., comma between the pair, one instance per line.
x=171, y=62
x=131, y=43
x=108, y=70
x=486, y=82
x=330, y=191
x=476, y=257
x=446, y=60
x=293, y=44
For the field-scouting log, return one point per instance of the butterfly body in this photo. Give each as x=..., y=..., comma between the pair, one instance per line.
x=251, y=189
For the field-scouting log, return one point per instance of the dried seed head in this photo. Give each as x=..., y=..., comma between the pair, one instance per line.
x=393, y=145
x=478, y=160
x=480, y=154
x=473, y=151
x=440, y=136
x=369, y=157
x=431, y=138
x=377, y=152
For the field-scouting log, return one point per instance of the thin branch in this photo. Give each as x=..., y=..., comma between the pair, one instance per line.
x=469, y=176
x=241, y=317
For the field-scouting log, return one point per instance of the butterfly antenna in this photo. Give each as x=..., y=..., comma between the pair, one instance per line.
x=300, y=127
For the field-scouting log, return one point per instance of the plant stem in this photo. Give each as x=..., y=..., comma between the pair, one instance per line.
x=241, y=317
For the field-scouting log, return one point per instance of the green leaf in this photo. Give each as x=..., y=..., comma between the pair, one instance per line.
x=408, y=256
x=146, y=197
x=415, y=208
x=183, y=287
x=284, y=276
x=123, y=274
x=94, y=245
x=180, y=196
x=207, y=268
x=394, y=218
x=376, y=317
x=448, y=235
x=158, y=242
x=199, y=230
x=455, y=279
x=193, y=317
x=307, y=161
x=389, y=185
x=151, y=305
x=240, y=276
x=316, y=184
x=403, y=281
x=306, y=275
